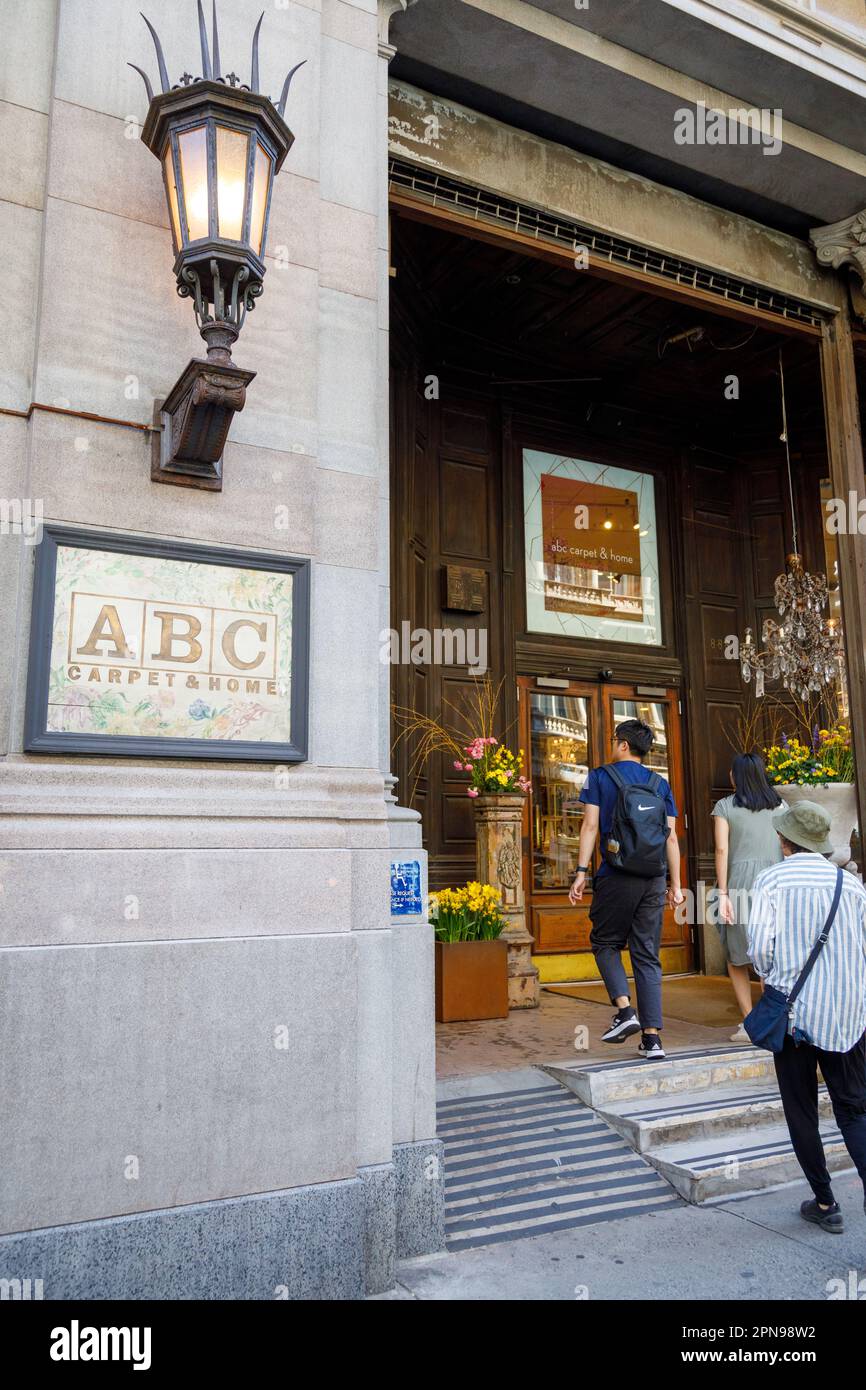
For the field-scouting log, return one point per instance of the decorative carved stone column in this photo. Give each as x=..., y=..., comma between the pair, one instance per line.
x=499, y=823
x=842, y=246
x=842, y=243
x=387, y=10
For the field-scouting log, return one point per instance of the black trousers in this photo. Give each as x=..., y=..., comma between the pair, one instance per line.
x=845, y=1074
x=627, y=911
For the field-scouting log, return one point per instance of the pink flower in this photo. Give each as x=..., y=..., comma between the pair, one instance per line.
x=471, y=791
x=459, y=766
x=467, y=767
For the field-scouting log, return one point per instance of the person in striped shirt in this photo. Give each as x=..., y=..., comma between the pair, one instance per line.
x=790, y=906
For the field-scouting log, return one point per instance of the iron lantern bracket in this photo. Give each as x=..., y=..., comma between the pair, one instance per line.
x=192, y=423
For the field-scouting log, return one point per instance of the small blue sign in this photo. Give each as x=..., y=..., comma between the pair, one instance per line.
x=405, y=889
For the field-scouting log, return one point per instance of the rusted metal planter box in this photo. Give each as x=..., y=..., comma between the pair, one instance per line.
x=471, y=980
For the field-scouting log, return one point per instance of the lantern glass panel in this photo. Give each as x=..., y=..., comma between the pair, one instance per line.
x=261, y=184
x=231, y=151
x=171, y=185
x=193, y=171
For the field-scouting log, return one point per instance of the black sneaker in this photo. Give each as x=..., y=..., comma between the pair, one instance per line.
x=830, y=1220
x=650, y=1047
x=624, y=1025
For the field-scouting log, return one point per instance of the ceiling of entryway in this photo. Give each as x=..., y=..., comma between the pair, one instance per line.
x=499, y=316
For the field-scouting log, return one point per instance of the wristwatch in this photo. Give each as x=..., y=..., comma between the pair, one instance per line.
x=583, y=868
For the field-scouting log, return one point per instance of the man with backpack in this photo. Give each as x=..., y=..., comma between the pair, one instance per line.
x=633, y=811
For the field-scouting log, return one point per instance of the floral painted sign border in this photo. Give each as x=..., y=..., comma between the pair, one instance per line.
x=167, y=649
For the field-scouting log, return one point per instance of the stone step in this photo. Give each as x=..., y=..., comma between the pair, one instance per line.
x=715, y=1112
x=598, y=1084
x=722, y=1165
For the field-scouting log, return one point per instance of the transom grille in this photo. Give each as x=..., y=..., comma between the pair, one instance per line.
x=428, y=186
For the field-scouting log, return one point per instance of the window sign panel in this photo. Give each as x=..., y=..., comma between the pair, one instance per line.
x=156, y=647
x=591, y=550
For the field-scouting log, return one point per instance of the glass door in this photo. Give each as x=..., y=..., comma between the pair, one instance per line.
x=566, y=732
x=560, y=752
x=561, y=732
x=661, y=710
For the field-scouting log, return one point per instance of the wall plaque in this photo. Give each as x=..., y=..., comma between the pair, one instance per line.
x=464, y=589
x=164, y=649
x=406, y=888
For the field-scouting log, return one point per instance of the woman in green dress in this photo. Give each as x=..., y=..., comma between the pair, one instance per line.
x=746, y=843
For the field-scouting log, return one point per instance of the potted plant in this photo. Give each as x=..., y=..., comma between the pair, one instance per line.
x=819, y=767
x=493, y=769
x=471, y=956
x=498, y=791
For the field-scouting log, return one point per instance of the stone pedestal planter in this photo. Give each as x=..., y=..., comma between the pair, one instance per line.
x=471, y=980
x=840, y=800
x=499, y=822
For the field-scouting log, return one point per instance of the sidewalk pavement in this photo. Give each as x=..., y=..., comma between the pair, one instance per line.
x=744, y=1250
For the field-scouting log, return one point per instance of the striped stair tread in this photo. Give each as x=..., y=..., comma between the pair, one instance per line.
x=721, y=1166
x=522, y=1163
x=780, y=1143
x=665, y=1119
x=692, y=1054
x=633, y=1078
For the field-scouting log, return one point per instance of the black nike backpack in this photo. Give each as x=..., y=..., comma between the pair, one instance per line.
x=639, y=829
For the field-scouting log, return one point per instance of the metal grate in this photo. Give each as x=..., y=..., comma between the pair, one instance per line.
x=491, y=208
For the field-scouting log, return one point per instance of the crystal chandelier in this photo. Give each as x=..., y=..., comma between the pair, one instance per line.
x=805, y=650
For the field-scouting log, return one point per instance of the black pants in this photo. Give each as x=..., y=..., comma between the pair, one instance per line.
x=845, y=1075
x=627, y=911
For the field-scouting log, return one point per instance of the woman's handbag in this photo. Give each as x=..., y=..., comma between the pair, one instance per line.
x=767, y=1024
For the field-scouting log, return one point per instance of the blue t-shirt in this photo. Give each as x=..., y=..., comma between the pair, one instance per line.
x=600, y=790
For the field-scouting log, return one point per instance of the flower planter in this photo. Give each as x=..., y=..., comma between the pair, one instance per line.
x=471, y=980
x=839, y=799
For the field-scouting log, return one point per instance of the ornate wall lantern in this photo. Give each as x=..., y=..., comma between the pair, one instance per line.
x=220, y=143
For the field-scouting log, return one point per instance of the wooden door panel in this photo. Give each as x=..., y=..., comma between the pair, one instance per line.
x=723, y=718
x=718, y=622
x=466, y=428
x=464, y=506
x=558, y=928
x=458, y=823
x=768, y=552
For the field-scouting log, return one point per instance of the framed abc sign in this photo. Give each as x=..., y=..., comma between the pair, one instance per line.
x=166, y=649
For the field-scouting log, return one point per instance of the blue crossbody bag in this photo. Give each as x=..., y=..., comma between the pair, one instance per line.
x=767, y=1024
